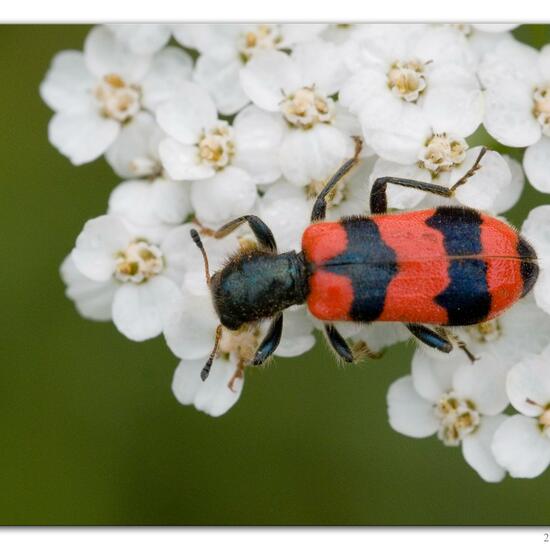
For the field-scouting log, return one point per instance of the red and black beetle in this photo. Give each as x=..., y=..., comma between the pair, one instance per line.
x=447, y=266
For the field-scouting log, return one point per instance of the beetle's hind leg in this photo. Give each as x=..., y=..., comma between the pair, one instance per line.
x=379, y=200
x=440, y=339
x=430, y=337
x=339, y=344
x=459, y=343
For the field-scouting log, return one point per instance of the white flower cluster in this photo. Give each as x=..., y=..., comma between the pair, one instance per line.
x=207, y=122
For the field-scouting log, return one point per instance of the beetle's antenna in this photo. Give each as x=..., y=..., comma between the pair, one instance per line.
x=197, y=240
x=206, y=369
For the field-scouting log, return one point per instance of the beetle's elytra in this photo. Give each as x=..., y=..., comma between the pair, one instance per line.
x=448, y=266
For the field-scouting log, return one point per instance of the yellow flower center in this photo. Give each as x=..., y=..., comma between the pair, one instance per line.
x=457, y=418
x=216, y=146
x=263, y=37
x=117, y=99
x=307, y=107
x=488, y=331
x=406, y=79
x=442, y=153
x=139, y=262
x=541, y=107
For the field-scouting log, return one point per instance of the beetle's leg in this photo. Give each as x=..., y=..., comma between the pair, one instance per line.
x=379, y=201
x=319, y=210
x=339, y=344
x=430, y=337
x=460, y=344
x=258, y=227
x=270, y=342
x=239, y=373
x=361, y=349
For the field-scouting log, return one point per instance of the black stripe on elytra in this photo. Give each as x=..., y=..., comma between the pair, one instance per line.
x=529, y=269
x=467, y=298
x=370, y=264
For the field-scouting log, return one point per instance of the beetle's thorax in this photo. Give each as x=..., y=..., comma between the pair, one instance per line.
x=256, y=285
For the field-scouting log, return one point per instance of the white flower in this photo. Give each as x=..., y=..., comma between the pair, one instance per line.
x=523, y=329
x=191, y=326
x=410, y=82
x=137, y=278
x=190, y=330
x=93, y=299
x=141, y=38
x=286, y=208
x=536, y=228
x=443, y=159
x=96, y=92
x=517, y=81
x=135, y=152
x=225, y=162
x=522, y=443
x=461, y=404
x=510, y=194
x=152, y=207
x=226, y=48
x=213, y=396
x=298, y=88
x=190, y=333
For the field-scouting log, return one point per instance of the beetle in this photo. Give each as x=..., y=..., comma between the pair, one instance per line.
x=446, y=266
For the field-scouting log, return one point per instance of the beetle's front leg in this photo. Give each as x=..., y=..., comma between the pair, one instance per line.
x=319, y=210
x=379, y=200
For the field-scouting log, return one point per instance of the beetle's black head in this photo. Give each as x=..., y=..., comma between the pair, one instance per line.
x=253, y=285
x=257, y=284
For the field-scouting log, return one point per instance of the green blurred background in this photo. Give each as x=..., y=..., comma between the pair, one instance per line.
x=90, y=432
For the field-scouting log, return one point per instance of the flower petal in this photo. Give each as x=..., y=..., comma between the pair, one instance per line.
x=433, y=375
x=141, y=38
x=321, y=65
x=170, y=70
x=297, y=335
x=93, y=300
x=313, y=154
x=268, y=76
x=484, y=187
x=181, y=161
x=140, y=311
x=188, y=114
x=454, y=103
x=536, y=163
x=82, y=136
x=97, y=245
x=67, y=82
x=213, y=396
x=508, y=114
x=228, y=194
x=510, y=194
x=285, y=210
x=520, y=447
x=476, y=449
x=257, y=139
x=221, y=78
x=104, y=56
x=170, y=200
x=135, y=151
x=483, y=383
x=190, y=327
x=400, y=197
x=528, y=385
x=408, y=413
